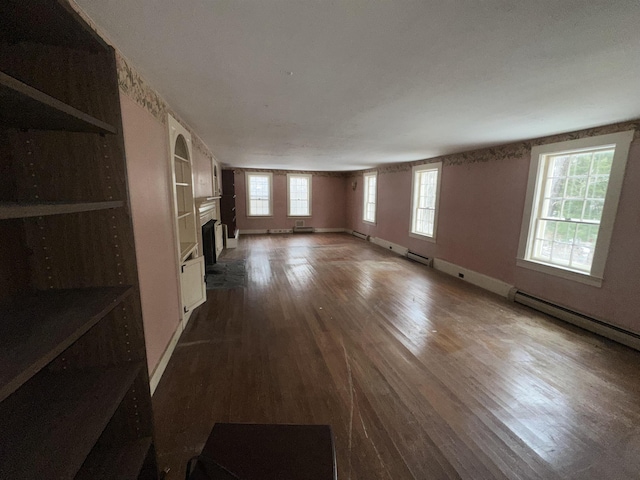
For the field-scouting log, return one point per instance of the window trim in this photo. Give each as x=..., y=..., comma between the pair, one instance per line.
x=248, y=197
x=365, y=191
x=621, y=141
x=309, y=193
x=414, y=172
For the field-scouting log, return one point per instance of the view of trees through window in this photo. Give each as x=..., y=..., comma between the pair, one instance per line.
x=571, y=204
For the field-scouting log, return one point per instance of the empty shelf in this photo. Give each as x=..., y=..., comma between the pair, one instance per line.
x=32, y=209
x=122, y=462
x=22, y=106
x=49, y=426
x=38, y=327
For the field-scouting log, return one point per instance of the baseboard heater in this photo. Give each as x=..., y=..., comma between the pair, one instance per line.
x=360, y=235
x=594, y=325
x=420, y=259
x=297, y=229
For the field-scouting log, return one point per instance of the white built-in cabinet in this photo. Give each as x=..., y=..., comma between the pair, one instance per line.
x=190, y=258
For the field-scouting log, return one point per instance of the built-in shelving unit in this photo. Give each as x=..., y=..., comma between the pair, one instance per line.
x=228, y=207
x=74, y=386
x=38, y=209
x=189, y=253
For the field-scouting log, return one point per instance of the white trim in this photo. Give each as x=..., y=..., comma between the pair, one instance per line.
x=269, y=175
x=621, y=141
x=365, y=191
x=331, y=230
x=387, y=245
x=414, y=171
x=479, y=279
x=309, y=177
x=155, y=378
x=560, y=272
x=599, y=327
x=254, y=232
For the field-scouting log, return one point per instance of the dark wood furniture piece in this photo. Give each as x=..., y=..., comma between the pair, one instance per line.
x=268, y=452
x=74, y=388
x=228, y=203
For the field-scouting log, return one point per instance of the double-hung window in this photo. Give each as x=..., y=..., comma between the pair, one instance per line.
x=570, y=208
x=425, y=195
x=259, y=194
x=299, y=194
x=370, y=197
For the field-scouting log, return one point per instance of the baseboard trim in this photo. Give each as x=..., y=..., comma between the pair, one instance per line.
x=330, y=230
x=479, y=279
x=387, y=245
x=164, y=360
x=261, y=231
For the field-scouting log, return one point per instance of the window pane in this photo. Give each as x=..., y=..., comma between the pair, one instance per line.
x=299, y=196
x=259, y=194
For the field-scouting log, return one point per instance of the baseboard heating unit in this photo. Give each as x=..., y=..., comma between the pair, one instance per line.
x=420, y=259
x=594, y=325
x=298, y=229
x=360, y=235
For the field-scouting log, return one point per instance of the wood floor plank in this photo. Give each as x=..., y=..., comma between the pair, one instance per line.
x=421, y=375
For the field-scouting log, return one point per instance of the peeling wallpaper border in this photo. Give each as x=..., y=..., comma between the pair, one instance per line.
x=134, y=86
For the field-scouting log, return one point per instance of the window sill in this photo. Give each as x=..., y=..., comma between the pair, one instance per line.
x=419, y=236
x=368, y=222
x=259, y=216
x=298, y=216
x=560, y=272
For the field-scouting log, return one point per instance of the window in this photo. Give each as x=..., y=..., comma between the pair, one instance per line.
x=425, y=194
x=370, y=194
x=299, y=191
x=572, y=198
x=259, y=200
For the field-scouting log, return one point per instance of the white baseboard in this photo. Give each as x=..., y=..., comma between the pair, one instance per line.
x=261, y=231
x=387, y=245
x=617, y=334
x=330, y=230
x=483, y=281
x=164, y=360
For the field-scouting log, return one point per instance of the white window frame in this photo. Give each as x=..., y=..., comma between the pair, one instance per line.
x=621, y=142
x=269, y=175
x=309, y=197
x=416, y=170
x=365, y=195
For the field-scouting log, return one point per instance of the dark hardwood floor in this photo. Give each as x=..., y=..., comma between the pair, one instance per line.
x=420, y=375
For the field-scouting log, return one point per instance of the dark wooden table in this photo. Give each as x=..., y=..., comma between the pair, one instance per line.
x=269, y=452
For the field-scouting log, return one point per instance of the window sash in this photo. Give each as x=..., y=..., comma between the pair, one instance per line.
x=370, y=198
x=571, y=193
x=425, y=200
x=299, y=187
x=258, y=195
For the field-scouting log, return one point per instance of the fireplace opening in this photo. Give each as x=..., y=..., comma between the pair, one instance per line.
x=209, y=243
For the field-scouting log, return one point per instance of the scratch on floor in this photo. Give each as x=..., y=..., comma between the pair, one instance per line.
x=350, y=377
x=191, y=344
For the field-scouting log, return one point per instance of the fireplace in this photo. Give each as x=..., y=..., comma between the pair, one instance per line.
x=209, y=243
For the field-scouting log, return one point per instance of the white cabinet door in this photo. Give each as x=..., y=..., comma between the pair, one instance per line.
x=194, y=290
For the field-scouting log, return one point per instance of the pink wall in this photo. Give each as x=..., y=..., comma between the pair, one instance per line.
x=327, y=204
x=146, y=143
x=481, y=205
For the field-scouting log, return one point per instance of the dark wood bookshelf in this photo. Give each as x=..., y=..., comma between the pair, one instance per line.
x=36, y=328
x=73, y=366
x=116, y=462
x=22, y=106
x=47, y=22
x=34, y=209
x=67, y=413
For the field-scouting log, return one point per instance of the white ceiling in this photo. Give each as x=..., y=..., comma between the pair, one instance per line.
x=349, y=84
